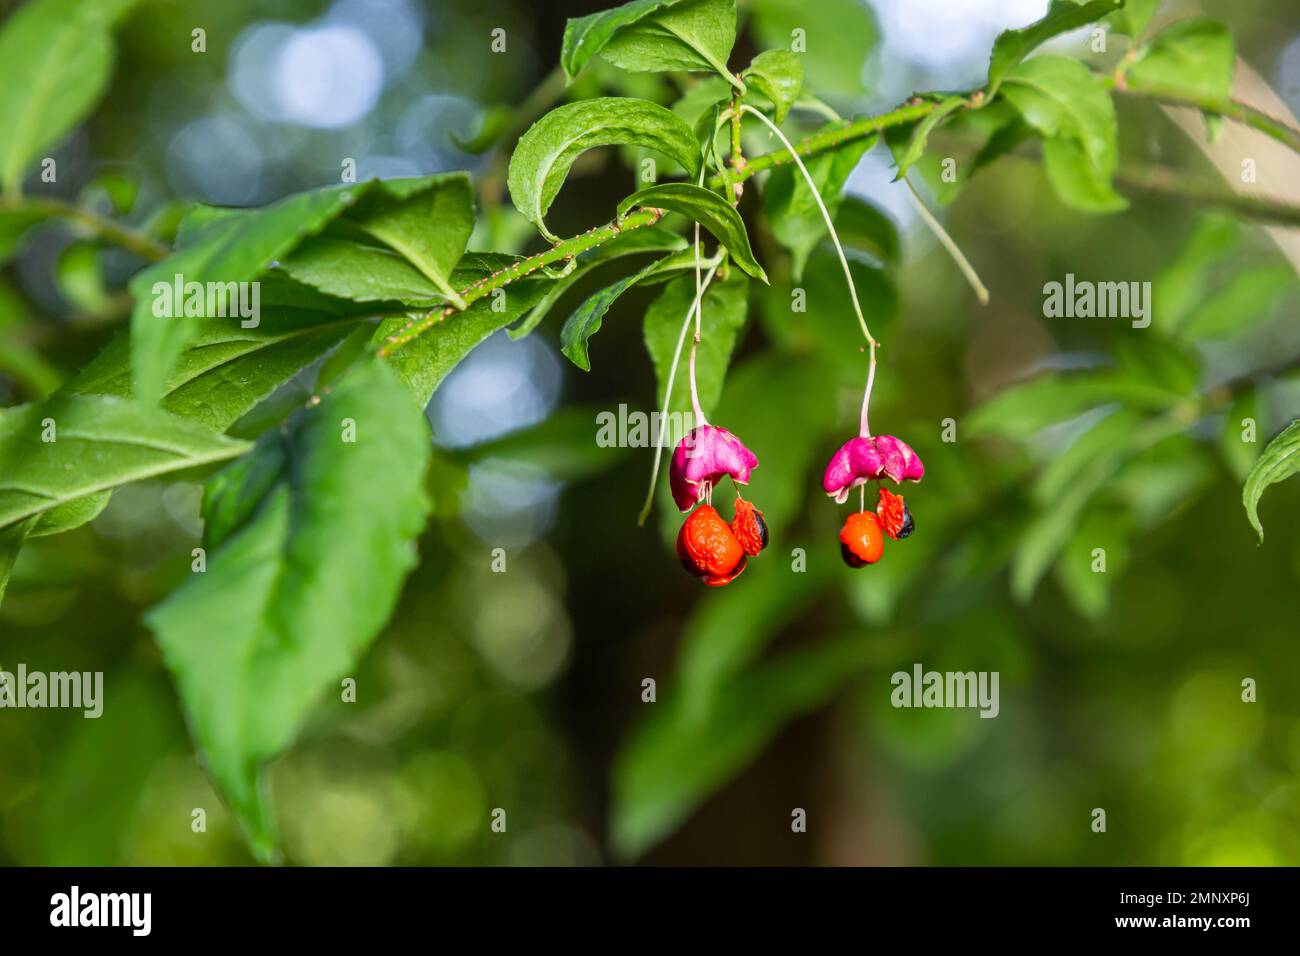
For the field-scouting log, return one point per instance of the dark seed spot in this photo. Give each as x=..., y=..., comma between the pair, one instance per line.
x=851, y=559
x=908, y=525
x=762, y=530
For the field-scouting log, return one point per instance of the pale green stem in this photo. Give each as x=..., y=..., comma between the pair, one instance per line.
x=844, y=262
x=699, y=314
x=668, y=388
x=947, y=242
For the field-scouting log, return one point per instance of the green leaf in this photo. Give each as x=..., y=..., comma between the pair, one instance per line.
x=1076, y=180
x=585, y=320
x=19, y=358
x=1157, y=484
x=427, y=220
x=708, y=209
x=1012, y=46
x=585, y=37
x=359, y=272
x=299, y=586
x=1149, y=365
x=426, y=360
x=81, y=280
x=1069, y=483
x=57, y=57
x=1193, y=58
x=778, y=75
x=496, y=122
x=722, y=317
x=687, y=35
x=922, y=130
x=1021, y=411
x=226, y=370
x=74, y=514
x=1066, y=103
x=1279, y=461
x=648, y=239
x=797, y=222
x=545, y=153
x=239, y=245
x=670, y=764
x=1133, y=17
x=1077, y=570
x=1185, y=281
x=974, y=138
x=708, y=130
x=1238, y=453
x=836, y=41
x=11, y=542
x=1247, y=299
x=99, y=443
x=696, y=104
x=1102, y=442
x=235, y=248
x=115, y=187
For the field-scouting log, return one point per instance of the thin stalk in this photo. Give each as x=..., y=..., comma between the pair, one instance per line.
x=699, y=316
x=947, y=242
x=115, y=232
x=830, y=224
x=844, y=263
x=668, y=388
x=695, y=392
x=864, y=425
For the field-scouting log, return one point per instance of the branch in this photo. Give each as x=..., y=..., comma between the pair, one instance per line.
x=564, y=250
x=827, y=139
x=1231, y=109
x=1164, y=181
x=1159, y=180
x=108, y=229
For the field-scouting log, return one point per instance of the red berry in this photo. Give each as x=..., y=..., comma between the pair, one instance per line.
x=708, y=548
x=862, y=540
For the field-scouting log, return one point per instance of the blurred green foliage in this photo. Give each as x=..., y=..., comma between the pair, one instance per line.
x=1121, y=690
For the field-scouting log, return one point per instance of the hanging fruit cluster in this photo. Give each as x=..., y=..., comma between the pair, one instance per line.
x=862, y=460
x=715, y=551
x=709, y=548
